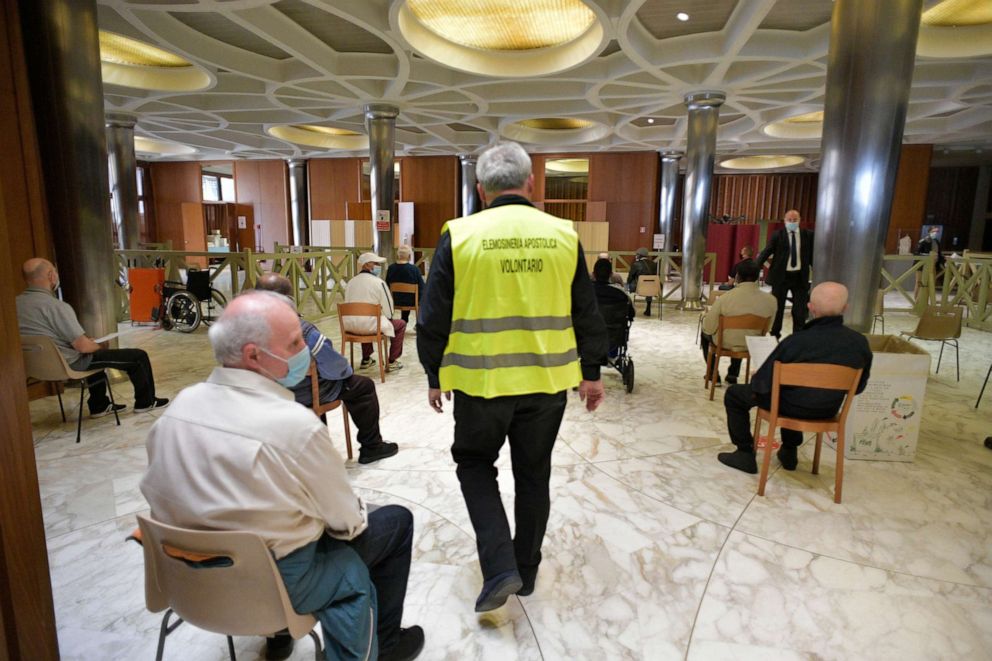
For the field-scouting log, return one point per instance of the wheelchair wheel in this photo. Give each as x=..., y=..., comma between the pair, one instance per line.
x=183, y=310
x=628, y=375
x=214, y=307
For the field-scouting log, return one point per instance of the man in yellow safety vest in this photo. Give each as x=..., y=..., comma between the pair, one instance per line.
x=509, y=323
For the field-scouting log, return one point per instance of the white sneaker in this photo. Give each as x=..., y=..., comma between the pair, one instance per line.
x=392, y=367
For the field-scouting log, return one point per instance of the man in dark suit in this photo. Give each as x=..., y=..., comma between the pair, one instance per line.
x=791, y=250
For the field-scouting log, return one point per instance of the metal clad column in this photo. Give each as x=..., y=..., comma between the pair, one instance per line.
x=63, y=56
x=667, y=187
x=704, y=111
x=299, y=201
x=123, y=179
x=869, y=72
x=380, y=122
x=470, y=196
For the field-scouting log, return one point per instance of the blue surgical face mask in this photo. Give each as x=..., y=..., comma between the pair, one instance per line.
x=297, y=365
x=792, y=226
x=377, y=271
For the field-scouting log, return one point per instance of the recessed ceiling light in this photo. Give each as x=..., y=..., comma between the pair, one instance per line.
x=761, y=162
x=682, y=16
x=650, y=120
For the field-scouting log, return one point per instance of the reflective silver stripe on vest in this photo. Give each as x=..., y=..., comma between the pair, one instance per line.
x=510, y=360
x=498, y=324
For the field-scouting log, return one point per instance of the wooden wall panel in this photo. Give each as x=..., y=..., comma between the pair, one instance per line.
x=763, y=196
x=628, y=183
x=333, y=182
x=950, y=201
x=431, y=183
x=909, y=200
x=172, y=184
x=265, y=186
x=27, y=617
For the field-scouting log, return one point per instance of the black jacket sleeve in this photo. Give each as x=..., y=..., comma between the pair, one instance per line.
x=590, y=329
x=769, y=249
x=434, y=322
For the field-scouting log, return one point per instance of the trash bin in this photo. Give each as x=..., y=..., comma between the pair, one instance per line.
x=884, y=421
x=145, y=297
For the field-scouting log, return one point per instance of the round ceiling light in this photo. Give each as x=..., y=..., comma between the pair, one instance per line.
x=956, y=28
x=131, y=63
x=324, y=137
x=808, y=126
x=567, y=165
x=510, y=38
x=156, y=147
x=553, y=130
x=769, y=162
x=682, y=16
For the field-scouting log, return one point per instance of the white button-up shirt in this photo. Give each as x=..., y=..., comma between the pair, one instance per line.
x=237, y=453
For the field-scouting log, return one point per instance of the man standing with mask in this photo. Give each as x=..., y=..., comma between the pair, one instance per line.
x=368, y=287
x=791, y=250
x=237, y=453
x=509, y=323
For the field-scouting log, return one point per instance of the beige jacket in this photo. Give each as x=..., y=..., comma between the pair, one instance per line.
x=238, y=453
x=745, y=298
x=366, y=287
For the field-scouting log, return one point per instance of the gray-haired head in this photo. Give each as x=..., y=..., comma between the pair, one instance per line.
x=249, y=319
x=504, y=166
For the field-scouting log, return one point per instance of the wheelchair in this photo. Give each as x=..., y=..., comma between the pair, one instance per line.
x=618, y=329
x=182, y=302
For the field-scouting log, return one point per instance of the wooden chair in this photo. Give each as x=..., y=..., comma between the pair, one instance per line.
x=44, y=362
x=362, y=310
x=707, y=304
x=717, y=350
x=225, y=582
x=940, y=324
x=808, y=375
x=321, y=409
x=404, y=288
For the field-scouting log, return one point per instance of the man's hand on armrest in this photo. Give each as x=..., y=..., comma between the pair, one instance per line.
x=83, y=344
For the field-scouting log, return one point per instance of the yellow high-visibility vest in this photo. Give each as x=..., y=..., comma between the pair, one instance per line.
x=511, y=322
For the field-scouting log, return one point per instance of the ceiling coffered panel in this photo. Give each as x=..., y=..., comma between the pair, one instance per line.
x=275, y=63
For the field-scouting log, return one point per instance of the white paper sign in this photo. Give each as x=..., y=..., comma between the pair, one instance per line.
x=242, y=222
x=659, y=241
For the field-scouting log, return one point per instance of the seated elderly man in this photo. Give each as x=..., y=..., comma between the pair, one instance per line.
x=824, y=339
x=368, y=287
x=39, y=312
x=615, y=305
x=745, y=298
x=336, y=380
x=236, y=453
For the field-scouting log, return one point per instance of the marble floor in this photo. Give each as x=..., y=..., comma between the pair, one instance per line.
x=654, y=550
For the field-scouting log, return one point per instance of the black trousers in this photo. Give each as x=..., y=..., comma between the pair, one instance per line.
x=799, y=288
x=359, y=395
x=735, y=363
x=531, y=423
x=740, y=399
x=132, y=361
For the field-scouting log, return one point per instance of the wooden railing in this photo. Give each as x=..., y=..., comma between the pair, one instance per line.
x=967, y=281
x=667, y=264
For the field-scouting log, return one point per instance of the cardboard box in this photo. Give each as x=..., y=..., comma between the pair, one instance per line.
x=884, y=422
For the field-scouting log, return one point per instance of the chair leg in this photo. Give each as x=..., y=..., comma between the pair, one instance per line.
x=940, y=356
x=816, y=453
x=984, y=383
x=164, y=631
x=351, y=354
x=747, y=369
x=79, y=418
x=757, y=429
x=382, y=364
x=230, y=648
x=61, y=408
x=839, y=476
x=714, y=373
x=709, y=367
x=318, y=648
x=766, y=461
x=113, y=404
x=347, y=429
x=957, y=359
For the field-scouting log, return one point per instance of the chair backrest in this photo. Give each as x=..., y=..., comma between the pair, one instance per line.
x=940, y=323
x=314, y=386
x=648, y=285
x=406, y=288
x=245, y=597
x=43, y=360
x=359, y=310
x=198, y=283
x=815, y=375
x=745, y=322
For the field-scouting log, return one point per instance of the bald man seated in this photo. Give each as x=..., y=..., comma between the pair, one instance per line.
x=237, y=453
x=336, y=380
x=39, y=312
x=824, y=339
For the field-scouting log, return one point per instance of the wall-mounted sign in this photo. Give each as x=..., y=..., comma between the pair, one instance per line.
x=242, y=222
x=382, y=220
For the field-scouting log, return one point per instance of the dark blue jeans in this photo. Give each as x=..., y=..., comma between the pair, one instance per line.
x=312, y=575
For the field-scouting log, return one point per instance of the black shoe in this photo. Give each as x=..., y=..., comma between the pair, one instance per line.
x=366, y=363
x=731, y=379
x=529, y=576
x=278, y=647
x=409, y=645
x=647, y=313
x=496, y=590
x=377, y=452
x=159, y=403
x=789, y=456
x=742, y=460
x=120, y=408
